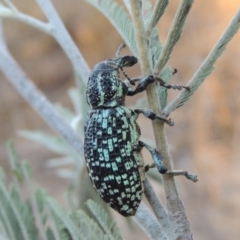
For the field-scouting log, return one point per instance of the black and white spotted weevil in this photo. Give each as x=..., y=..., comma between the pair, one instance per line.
x=112, y=148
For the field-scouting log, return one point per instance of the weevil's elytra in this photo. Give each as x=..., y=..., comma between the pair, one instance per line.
x=112, y=147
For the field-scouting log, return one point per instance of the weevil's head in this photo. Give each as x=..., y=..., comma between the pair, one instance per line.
x=105, y=88
x=121, y=62
x=116, y=63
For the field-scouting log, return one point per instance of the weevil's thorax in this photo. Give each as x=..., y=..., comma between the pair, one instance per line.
x=105, y=88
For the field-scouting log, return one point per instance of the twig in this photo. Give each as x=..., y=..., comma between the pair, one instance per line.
x=157, y=207
x=64, y=39
x=11, y=5
x=177, y=214
x=55, y=28
x=149, y=223
x=9, y=13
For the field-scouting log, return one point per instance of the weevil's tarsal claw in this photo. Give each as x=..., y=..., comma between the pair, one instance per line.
x=166, y=120
x=169, y=86
x=162, y=83
x=189, y=176
x=176, y=87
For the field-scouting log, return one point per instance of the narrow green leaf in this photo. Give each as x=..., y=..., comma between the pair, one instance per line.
x=64, y=223
x=87, y=227
x=14, y=210
x=174, y=33
x=158, y=11
x=207, y=66
x=110, y=228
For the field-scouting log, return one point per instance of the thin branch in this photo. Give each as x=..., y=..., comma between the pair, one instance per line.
x=207, y=66
x=35, y=98
x=149, y=224
x=177, y=214
x=174, y=34
x=157, y=207
x=55, y=28
x=64, y=39
x=9, y=13
x=11, y=5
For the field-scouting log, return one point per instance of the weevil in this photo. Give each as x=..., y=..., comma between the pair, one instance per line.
x=112, y=147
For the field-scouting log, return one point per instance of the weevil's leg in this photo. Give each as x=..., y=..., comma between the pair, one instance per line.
x=175, y=87
x=156, y=158
x=152, y=115
x=142, y=85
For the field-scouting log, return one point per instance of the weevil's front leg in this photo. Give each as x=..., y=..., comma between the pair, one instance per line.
x=152, y=115
x=142, y=85
x=168, y=86
x=156, y=158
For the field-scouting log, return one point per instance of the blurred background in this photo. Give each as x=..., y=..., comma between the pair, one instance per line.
x=206, y=137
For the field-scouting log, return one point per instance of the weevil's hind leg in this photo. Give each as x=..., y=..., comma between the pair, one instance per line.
x=156, y=158
x=158, y=162
x=152, y=115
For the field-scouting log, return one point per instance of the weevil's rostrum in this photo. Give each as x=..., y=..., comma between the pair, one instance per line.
x=112, y=147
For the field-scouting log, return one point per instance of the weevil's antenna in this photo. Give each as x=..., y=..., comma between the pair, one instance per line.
x=123, y=45
x=127, y=77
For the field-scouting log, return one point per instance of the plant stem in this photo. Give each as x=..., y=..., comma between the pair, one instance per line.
x=157, y=206
x=149, y=223
x=177, y=215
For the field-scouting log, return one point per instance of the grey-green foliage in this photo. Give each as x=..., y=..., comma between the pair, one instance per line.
x=158, y=11
x=174, y=32
x=38, y=216
x=208, y=65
